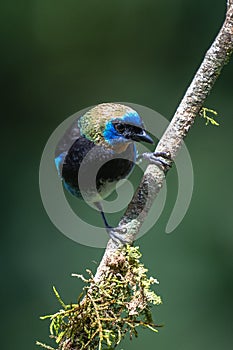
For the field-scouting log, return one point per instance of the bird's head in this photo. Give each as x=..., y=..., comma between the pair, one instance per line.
x=113, y=125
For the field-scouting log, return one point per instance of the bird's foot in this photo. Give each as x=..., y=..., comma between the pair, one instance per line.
x=161, y=159
x=117, y=234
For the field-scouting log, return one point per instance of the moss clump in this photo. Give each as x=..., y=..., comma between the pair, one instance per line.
x=109, y=309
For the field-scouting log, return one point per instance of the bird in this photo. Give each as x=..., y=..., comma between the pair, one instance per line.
x=98, y=150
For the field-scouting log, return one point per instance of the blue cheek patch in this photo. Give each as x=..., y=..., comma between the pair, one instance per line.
x=111, y=135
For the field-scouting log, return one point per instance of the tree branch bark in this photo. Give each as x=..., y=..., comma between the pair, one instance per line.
x=216, y=57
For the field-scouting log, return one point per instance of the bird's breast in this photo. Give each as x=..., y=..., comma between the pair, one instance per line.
x=90, y=171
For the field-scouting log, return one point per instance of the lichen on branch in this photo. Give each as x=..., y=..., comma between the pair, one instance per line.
x=113, y=307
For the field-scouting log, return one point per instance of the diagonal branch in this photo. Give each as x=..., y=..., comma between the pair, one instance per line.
x=216, y=57
x=229, y=3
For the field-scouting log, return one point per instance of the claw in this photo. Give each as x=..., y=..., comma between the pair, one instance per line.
x=161, y=159
x=117, y=234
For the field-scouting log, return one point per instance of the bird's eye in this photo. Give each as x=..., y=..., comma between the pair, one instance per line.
x=119, y=127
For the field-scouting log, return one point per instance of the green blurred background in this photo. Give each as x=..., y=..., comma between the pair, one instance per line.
x=58, y=57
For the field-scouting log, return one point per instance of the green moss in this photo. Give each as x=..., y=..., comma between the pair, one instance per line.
x=108, y=310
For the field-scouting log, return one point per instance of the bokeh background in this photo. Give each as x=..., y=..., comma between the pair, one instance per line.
x=58, y=57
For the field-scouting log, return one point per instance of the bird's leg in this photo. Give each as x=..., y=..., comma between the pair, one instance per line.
x=100, y=208
x=115, y=233
x=105, y=220
x=161, y=159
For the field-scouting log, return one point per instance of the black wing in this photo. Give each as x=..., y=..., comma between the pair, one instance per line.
x=65, y=143
x=67, y=140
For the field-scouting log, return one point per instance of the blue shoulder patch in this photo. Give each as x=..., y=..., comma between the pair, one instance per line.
x=59, y=162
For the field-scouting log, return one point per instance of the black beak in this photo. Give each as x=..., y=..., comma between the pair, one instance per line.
x=142, y=137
